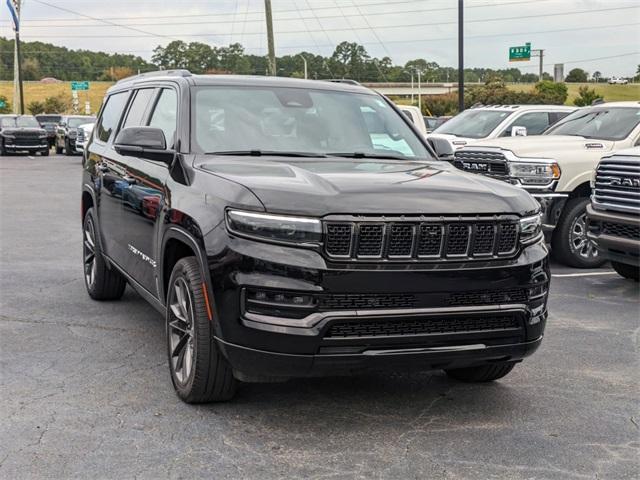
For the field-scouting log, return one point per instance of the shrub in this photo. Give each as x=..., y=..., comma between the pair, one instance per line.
x=56, y=104
x=551, y=93
x=586, y=96
x=7, y=106
x=36, y=107
x=438, y=105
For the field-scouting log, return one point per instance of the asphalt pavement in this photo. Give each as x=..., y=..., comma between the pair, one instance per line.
x=86, y=393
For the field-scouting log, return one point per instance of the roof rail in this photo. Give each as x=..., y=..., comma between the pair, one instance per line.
x=158, y=73
x=597, y=101
x=348, y=81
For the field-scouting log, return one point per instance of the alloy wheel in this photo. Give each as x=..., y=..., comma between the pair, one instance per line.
x=580, y=244
x=181, y=331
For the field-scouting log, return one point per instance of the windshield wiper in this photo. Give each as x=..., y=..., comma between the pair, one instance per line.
x=260, y=153
x=383, y=156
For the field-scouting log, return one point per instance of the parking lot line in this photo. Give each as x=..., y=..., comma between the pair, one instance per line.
x=583, y=274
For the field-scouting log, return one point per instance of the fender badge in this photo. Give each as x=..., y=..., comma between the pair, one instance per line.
x=593, y=145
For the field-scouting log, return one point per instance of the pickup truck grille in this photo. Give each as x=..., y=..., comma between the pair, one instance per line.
x=421, y=240
x=617, y=184
x=493, y=164
x=80, y=136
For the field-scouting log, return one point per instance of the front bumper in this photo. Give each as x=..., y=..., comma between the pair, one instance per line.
x=267, y=343
x=613, y=234
x=18, y=147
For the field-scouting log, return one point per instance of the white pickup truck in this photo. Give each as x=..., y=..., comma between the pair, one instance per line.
x=478, y=123
x=556, y=168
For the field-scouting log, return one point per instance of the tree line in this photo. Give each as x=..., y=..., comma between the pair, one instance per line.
x=348, y=60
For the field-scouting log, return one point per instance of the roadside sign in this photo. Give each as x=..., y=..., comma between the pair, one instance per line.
x=2, y=104
x=87, y=108
x=521, y=53
x=80, y=85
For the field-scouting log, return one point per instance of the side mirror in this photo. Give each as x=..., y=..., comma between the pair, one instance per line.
x=144, y=142
x=518, y=131
x=62, y=124
x=443, y=148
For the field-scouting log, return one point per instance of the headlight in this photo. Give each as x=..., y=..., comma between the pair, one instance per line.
x=530, y=229
x=535, y=173
x=279, y=228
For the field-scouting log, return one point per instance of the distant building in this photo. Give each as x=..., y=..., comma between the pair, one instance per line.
x=50, y=80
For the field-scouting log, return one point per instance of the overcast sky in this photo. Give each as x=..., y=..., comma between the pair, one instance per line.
x=599, y=35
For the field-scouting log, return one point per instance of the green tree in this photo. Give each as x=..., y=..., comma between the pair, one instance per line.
x=349, y=60
x=174, y=55
x=577, y=75
x=597, y=76
x=586, y=96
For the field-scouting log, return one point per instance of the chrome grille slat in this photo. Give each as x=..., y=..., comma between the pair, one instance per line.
x=479, y=161
x=445, y=240
x=623, y=194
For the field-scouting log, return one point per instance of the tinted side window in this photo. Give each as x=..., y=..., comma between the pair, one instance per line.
x=536, y=123
x=136, y=114
x=165, y=115
x=555, y=117
x=110, y=115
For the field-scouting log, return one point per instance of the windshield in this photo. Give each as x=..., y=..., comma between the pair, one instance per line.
x=599, y=123
x=473, y=123
x=27, y=121
x=301, y=121
x=76, y=122
x=48, y=118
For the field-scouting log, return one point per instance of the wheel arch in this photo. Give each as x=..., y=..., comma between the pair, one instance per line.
x=88, y=201
x=582, y=190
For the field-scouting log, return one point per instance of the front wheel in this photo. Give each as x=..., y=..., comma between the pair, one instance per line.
x=483, y=373
x=570, y=244
x=199, y=372
x=67, y=148
x=45, y=152
x=627, y=271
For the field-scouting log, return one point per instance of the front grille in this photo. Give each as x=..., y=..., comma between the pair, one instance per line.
x=421, y=326
x=478, y=161
x=617, y=185
x=631, y=232
x=422, y=241
x=27, y=141
x=488, y=297
x=80, y=136
x=351, y=301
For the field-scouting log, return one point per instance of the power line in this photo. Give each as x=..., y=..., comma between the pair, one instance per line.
x=316, y=17
x=261, y=12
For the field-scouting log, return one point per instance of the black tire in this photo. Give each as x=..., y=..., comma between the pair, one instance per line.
x=627, y=271
x=58, y=149
x=3, y=151
x=483, y=373
x=45, y=152
x=67, y=148
x=102, y=282
x=569, y=244
x=209, y=377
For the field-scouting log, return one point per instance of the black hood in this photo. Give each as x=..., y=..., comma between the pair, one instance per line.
x=31, y=131
x=319, y=187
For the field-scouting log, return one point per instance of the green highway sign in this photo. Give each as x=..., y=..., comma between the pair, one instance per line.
x=2, y=104
x=521, y=53
x=80, y=85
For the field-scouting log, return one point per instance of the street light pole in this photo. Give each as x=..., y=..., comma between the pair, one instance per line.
x=305, y=64
x=419, y=72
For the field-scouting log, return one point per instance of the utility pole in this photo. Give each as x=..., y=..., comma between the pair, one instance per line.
x=460, y=56
x=18, y=94
x=419, y=72
x=271, y=62
x=305, y=65
x=540, y=53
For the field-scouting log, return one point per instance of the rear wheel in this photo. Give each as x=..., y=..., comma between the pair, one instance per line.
x=483, y=373
x=102, y=282
x=199, y=372
x=45, y=152
x=627, y=271
x=58, y=148
x=67, y=147
x=570, y=244
x=3, y=150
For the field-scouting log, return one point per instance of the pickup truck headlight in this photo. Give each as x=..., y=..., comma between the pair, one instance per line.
x=278, y=228
x=535, y=173
x=530, y=229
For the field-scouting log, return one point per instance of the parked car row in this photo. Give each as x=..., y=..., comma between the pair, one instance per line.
x=554, y=165
x=33, y=134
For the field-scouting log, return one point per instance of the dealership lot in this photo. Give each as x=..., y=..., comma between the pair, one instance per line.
x=85, y=386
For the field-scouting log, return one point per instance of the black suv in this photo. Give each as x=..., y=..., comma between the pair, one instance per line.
x=22, y=133
x=292, y=228
x=50, y=123
x=67, y=133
